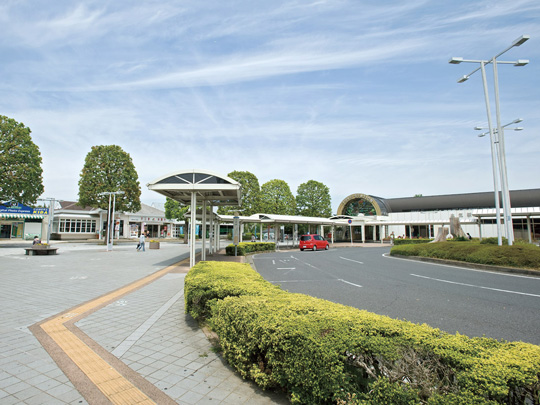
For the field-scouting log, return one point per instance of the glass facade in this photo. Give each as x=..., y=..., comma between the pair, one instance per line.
x=68, y=225
x=359, y=206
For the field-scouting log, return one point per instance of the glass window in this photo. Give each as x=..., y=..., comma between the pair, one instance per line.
x=305, y=238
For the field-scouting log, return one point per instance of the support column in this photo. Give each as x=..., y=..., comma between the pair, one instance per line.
x=216, y=237
x=211, y=231
x=333, y=229
x=241, y=236
x=192, y=230
x=529, y=232
x=203, y=220
x=480, y=228
x=363, y=233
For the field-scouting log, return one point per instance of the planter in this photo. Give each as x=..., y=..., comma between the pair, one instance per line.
x=154, y=245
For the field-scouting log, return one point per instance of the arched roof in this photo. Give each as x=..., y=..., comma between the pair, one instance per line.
x=377, y=203
x=212, y=187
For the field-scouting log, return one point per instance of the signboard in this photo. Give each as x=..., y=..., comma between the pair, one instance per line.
x=16, y=208
x=349, y=221
x=236, y=230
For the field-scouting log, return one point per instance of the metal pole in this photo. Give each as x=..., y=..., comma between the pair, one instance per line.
x=493, y=142
x=192, y=226
x=113, y=222
x=507, y=209
x=108, y=221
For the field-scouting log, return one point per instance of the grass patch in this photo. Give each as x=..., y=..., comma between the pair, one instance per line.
x=524, y=256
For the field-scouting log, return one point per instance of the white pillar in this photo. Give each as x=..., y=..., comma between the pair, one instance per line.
x=529, y=232
x=203, y=251
x=333, y=230
x=363, y=233
x=211, y=230
x=241, y=238
x=192, y=230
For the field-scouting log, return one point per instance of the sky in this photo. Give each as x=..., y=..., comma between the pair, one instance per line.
x=356, y=94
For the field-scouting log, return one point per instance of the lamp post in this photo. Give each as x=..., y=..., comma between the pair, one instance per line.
x=109, y=230
x=494, y=146
x=497, y=137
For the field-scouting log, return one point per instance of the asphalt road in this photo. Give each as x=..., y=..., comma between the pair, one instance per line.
x=473, y=302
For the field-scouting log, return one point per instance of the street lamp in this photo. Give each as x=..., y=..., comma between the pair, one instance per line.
x=498, y=135
x=109, y=232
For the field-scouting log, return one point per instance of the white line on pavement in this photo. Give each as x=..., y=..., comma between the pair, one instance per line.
x=351, y=260
x=123, y=347
x=476, y=286
x=348, y=282
x=286, y=268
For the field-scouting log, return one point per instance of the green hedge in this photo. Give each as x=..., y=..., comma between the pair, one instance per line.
x=518, y=255
x=410, y=241
x=244, y=248
x=321, y=352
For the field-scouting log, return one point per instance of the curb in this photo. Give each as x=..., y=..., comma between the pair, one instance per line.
x=476, y=266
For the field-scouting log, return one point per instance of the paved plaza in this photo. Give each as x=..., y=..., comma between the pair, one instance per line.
x=91, y=326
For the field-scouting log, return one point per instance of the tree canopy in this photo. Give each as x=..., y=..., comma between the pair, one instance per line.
x=20, y=163
x=173, y=209
x=313, y=200
x=251, y=194
x=108, y=168
x=276, y=198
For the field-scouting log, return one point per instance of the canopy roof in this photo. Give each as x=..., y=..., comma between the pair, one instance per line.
x=208, y=186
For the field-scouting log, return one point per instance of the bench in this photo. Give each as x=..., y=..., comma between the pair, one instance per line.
x=40, y=251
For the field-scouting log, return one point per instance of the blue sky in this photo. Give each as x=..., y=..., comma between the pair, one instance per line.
x=356, y=94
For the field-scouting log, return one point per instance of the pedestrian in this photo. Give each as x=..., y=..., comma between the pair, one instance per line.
x=469, y=236
x=36, y=241
x=141, y=243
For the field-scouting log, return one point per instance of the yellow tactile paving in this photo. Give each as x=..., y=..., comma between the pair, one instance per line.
x=108, y=380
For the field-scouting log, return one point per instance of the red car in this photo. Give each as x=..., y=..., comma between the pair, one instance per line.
x=313, y=242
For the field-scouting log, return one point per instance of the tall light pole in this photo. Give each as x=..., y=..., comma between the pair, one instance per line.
x=110, y=231
x=498, y=136
x=494, y=153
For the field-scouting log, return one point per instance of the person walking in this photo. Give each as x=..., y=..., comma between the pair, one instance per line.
x=141, y=243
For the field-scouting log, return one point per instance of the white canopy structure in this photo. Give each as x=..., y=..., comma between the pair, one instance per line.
x=192, y=186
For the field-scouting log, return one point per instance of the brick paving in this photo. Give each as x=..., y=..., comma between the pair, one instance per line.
x=147, y=329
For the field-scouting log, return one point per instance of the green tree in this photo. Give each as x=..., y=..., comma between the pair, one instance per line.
x=276, y=198
x=173, y=210
x=251, y=194
x=109, y=168
x=313, y=200
x=20, y=163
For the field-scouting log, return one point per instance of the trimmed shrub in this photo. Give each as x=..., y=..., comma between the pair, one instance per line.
x=410, y=241
x=494, y=241
x=244, y=248
x=323, y=352
x=525, y=256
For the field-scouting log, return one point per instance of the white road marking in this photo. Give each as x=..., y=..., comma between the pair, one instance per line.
x=351, y=260
x=476, y=286
x=286, y=268
x=348, y=282
x=273, y=261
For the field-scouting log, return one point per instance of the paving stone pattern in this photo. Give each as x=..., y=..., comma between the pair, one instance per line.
x=148, y=327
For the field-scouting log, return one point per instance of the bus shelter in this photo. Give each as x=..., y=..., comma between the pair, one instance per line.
x=192, y=187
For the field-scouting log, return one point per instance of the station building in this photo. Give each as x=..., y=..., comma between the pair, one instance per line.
x=371, y=218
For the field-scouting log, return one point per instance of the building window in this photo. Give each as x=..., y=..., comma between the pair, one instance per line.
x=77, y=225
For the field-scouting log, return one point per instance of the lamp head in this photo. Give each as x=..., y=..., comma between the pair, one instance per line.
x=478, y=128
x=520, y=40
x=521, y=62
x=518, y=129
x=517, y=121
x=463, y=79
x=455, y=61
